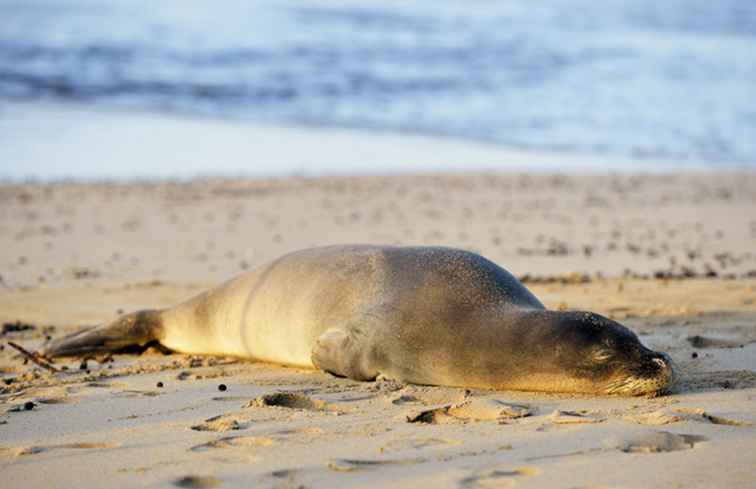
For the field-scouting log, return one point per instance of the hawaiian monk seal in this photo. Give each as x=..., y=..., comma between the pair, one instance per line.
x=422, y=315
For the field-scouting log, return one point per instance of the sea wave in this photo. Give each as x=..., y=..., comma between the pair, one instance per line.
x=628, y=77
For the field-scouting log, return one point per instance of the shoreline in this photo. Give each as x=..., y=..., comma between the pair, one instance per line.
x=68, y=142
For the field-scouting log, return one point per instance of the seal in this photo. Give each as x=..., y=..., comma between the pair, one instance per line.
x=421, y=315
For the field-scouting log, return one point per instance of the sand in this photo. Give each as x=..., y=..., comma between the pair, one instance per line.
x=672, y=257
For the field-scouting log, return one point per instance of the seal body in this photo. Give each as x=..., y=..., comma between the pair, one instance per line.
x=424, y=315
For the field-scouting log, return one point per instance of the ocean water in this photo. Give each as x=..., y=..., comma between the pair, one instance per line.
x=669, y=79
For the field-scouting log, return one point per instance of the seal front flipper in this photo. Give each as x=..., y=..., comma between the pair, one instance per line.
x=134, y=329
x=344, y=353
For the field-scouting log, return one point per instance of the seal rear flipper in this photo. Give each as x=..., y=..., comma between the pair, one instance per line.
x=134, y=329
x=341, y=353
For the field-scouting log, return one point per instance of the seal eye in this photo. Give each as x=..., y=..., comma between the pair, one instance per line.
x=601, y=355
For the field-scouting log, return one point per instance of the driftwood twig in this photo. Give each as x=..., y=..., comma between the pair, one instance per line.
x=34, y=357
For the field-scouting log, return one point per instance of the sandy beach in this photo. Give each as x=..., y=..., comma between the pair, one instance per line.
x=670, y=256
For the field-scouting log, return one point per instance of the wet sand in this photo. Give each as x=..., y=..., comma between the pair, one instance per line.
x=672, y=257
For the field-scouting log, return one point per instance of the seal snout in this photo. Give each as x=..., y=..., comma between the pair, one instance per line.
x=653, y=375
x=665, y=368
x=663, y=364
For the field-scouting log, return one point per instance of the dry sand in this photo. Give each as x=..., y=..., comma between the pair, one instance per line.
x=77, y=254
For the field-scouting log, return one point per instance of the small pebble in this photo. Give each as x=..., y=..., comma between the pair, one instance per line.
x=28, y=405
x=694, y=355
x=8, y=381
x=222, y=387
x=83, y=365
x=160, y=385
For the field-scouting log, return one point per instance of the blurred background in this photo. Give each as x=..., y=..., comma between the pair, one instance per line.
x=121, y=88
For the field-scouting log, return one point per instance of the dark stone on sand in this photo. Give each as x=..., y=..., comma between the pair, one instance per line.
x=16, y=327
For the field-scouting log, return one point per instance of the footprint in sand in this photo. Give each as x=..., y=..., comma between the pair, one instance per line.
x=352, y=397
x=31, y=450
x=698, y=414
x=417, y=444
x=430, y=396
x=351, y=465
x=655, y=442
x=307, y=430
x=285, y=479
x=234, y=442
x=665, y=416
x=574, y=417
x=137, y=393
x=489, y=409
x=471, y=410
x=497, y=477
x=656, y=418
x=291, y=400
x=222, y=423
x=197, y=482
x=101, y=385
x=141, y=469
x=230, y=398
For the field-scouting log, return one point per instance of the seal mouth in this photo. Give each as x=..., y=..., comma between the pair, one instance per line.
x=653, y=377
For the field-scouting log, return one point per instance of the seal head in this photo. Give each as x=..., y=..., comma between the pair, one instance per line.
x=607, y=354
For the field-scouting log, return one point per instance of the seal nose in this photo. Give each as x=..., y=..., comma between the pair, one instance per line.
x=666, y=366
x=660, y=362
x=663, y=365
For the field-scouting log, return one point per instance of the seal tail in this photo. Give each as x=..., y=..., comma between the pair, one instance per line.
x=134, y=329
